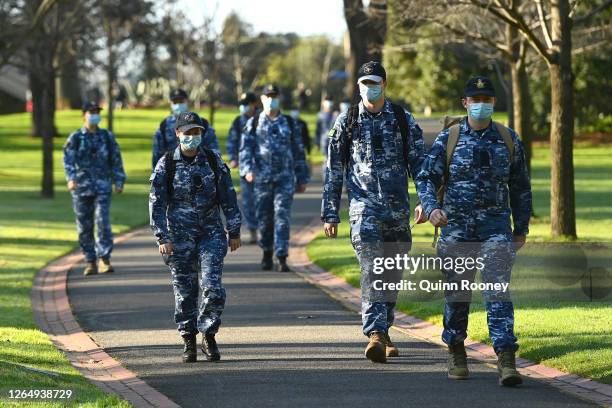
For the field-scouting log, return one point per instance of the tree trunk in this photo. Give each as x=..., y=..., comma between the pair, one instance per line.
x=70, y=86
x=110, y=77
x=36, y=89
x=562, y=194
x=47, y=129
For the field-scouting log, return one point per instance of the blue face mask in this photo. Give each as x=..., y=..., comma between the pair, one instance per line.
x=480, y=111
x=274, y=104
x=190, y=142
x=178, y=108
x=94, y=118
x=243, y=109
x=371, y=93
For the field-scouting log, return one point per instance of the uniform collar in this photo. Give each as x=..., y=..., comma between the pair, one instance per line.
x=465, y=126
x=85, y=131
x=179, y=157
x=385, y=109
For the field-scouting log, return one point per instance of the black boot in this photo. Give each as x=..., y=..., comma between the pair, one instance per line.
x=282, y=264
x=266, y=261
x=209, y=347
x=190, y=352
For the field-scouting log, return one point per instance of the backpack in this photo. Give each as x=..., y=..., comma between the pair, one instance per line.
x=109, y=146
x=400, y=116
x=163, y=125
x=171, y=169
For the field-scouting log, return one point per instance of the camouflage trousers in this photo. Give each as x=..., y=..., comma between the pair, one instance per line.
x=90, y=210
x=497, y=252
x=248, y=203
x=372, y=238
x=273, y=211
x=197, y=255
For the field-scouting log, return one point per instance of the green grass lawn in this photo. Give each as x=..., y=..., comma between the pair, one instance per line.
x=572, y=336
x=34, y=231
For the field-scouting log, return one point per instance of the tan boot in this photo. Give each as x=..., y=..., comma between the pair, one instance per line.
x=104, y=266
x=376, y=349
x=506, y=368
x=457, y=362
x=90, y=269
x=392, y=351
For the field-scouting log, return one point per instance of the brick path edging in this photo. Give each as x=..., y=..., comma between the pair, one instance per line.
x=53, y=315
x=350, y=297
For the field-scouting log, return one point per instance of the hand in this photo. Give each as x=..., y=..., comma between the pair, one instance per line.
x=166, y=249
x=72, y=185
x=438, y=218
x=300, y=188
x=118, y=190
x=519, y=241
x=331, y=229
x=250, y=177
x=234, y=244
x=419, y=215
x=233, y=164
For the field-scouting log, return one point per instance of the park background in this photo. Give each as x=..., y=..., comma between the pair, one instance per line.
x=551, y=66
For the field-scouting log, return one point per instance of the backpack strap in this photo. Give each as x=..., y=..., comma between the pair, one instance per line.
x=352, y=117
x=505, y=134
x=170, y=170
x=451, y=143
x=291, y=123
x=254, y=125
x=162, y=131
x=400, y=115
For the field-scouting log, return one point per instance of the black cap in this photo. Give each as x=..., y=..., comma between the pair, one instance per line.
x=178, y=94
x=479, y=85
x=188, y=120
x=90, y=105
x=270, y=89
x=372, y=70
x=248, y=97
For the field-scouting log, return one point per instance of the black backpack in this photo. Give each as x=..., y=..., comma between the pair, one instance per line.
x=171, y=168
x=400, y=115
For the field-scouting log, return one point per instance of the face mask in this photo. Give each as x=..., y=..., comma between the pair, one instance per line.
x=295, y=114
x=328, y=105
x=371, y=93
x=344, y=107
x=480, y=111
x=190, y=142
x=179, y=108
x=93, y=118
x=243, y=109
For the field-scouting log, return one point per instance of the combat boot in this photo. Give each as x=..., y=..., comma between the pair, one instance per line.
x=376, y=348
x=209, y=347
x=457, y=362
x=90, y=269
x=104, y=266
x=190, y=352
x=282, y=264
x=392, y=351
x=253, y=239
x=266, y=262
x=506, y=368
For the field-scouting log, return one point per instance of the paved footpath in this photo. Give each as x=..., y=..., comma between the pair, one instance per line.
x=284, y=342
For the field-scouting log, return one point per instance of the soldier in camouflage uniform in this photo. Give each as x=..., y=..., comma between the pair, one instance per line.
x=188, y=187
x=484, y=183
x=164, y=139
x=248, y=109
x=272, y=156
x=92, y=163
x=374, y=145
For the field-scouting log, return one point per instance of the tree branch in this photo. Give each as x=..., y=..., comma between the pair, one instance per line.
x=543, y=24
x=584, y=18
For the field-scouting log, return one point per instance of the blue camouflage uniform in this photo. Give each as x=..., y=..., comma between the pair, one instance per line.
x=325, y=121
x=377, y=185
x=246, y=188
x=275, y=154
x=484, y=189
x=189, y=217
x=93, y=160
x=168, y=141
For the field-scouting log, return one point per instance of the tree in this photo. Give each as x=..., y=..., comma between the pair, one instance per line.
x=367, y=30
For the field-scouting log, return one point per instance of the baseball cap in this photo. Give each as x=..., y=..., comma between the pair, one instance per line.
x=373, y=70
x=178, y=93
x=270, y=89
x=90, y=105
x=187, y=121
x=479, y=85
x=247, y=97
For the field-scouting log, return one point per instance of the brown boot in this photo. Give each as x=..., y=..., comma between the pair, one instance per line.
x=90, y=268
x=377, y=348
x=506, y=368
x=104, y=266
x=392, y=351
x=457, y=362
